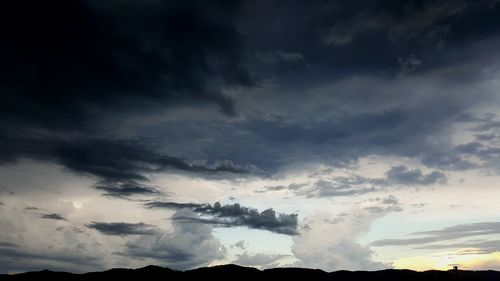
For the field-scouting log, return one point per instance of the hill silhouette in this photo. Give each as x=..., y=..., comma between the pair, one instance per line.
x=235, y=272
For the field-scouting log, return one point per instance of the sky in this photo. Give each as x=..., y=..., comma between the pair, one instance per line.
x=340, y=135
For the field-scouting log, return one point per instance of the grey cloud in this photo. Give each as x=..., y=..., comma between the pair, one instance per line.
x=189, y=245
x=119, y=165
x=290, y=56
x=260, y=260
x=480, y=228
x=383, y=210
x=273, y=57
x=108, y=100
x=5, y=190
x=292, y=187
x=390, y=200
x=125, y=189
x=341, y=138
x=423, y=21
x=486, y=137
x=14, y=257
x=408, y=65
x=232, y=215
x=477, y=149
x=480, y=247
x=52, y=216
x=449, y=161
x=150, y=57
x=123, y=228
x=487, y=125
x=402, y=175
x=111, y=159
x=172, y=205
x=273, y=188
x=8, y=244
x=342, y=188
x=444, y=234
x=386, y=205
x=122, y=70
x=346, y=121
x=322, y=245
x=240, y=245
x=484, y=151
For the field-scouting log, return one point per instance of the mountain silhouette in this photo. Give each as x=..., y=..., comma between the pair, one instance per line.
x=236, y=272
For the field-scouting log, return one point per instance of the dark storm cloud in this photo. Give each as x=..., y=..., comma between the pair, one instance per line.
x=66, y=65
x=93, y=58
x=445, y=234
x=345, y=121
x=333, y=36
x=61, y=60
x=427, y=21
x=232, y=215
x=119, y=164
x=123, y=228
x=52, y=216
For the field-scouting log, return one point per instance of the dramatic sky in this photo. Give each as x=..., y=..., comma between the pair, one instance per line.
x=326, y=134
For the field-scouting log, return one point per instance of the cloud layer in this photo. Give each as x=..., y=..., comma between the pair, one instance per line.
x=232, y=215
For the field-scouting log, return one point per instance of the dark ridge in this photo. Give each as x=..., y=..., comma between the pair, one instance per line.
x=235, y=272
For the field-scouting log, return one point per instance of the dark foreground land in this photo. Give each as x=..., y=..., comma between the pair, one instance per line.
x=234, y=273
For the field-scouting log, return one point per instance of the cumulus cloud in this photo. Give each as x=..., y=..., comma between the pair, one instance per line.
x=261, y=261
x=329, y=241
x=330, y=244
x=232, y=215
x=189, y=245
x=23, y=249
